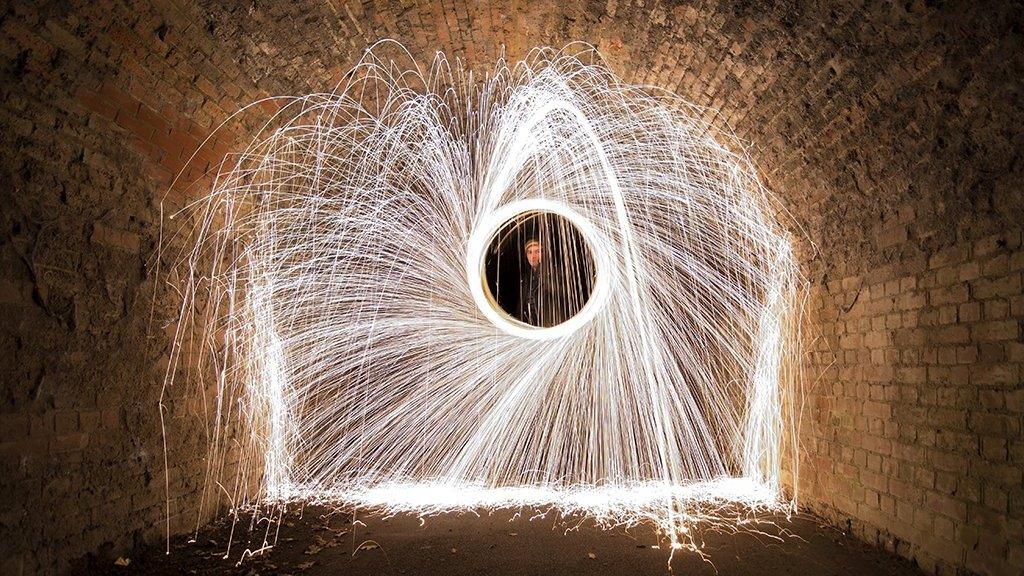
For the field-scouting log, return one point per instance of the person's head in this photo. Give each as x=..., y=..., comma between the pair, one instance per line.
x=533, y=253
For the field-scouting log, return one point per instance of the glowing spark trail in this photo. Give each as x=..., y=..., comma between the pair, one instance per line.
x=334, y=281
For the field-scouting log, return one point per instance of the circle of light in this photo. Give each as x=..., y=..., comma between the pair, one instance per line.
x=476, y=254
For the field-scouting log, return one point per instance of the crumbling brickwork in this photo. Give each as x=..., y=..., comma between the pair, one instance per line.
x=890, y=132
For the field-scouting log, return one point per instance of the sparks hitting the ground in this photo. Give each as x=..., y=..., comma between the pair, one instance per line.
x=332, y=281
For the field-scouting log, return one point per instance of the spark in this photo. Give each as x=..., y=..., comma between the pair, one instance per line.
x=333, y=278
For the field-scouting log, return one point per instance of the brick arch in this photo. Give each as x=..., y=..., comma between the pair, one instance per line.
x=891, y=131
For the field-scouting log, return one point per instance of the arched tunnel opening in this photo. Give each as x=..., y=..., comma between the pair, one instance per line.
x=503, y=287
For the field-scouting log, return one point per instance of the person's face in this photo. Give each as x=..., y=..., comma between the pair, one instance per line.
x=533, y=255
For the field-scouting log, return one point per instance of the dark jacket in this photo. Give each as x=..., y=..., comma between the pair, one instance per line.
x=539, y=304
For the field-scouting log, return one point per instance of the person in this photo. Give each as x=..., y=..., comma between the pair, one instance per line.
x=541, y=302
x=530, y=291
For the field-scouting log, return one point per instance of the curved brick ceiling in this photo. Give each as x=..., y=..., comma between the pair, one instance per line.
x=852, y=112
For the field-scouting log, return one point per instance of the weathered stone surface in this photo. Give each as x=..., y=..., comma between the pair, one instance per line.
x=891, y=132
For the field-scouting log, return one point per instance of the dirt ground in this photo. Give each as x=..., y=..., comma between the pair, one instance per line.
x=317, y=542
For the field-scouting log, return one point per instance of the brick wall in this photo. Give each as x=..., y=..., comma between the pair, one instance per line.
x=891, y=131
x=916, y=438
x=101, y=107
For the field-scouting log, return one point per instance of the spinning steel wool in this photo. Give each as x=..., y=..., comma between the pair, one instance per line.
x=336, y=283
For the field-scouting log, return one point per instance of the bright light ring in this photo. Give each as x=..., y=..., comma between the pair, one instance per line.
x=476, y=254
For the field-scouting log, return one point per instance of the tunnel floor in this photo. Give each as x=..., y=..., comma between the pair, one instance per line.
x=316, y=542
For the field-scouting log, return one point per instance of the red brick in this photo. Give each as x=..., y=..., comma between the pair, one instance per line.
x=1006, y=286
x=947, y=506
x=996, y=330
